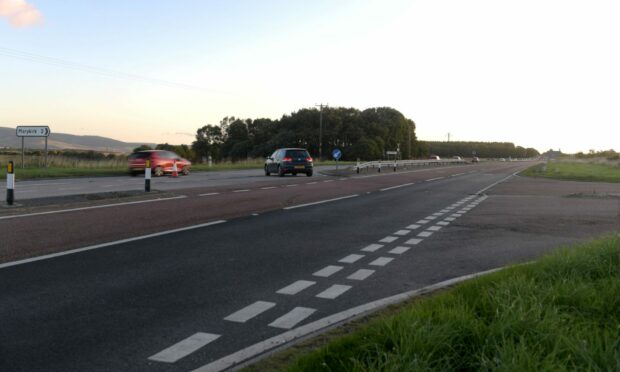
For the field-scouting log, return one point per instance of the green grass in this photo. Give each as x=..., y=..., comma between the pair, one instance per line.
x=575, y=171
x=560, y=313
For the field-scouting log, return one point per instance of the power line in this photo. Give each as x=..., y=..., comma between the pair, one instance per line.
x=57, y=62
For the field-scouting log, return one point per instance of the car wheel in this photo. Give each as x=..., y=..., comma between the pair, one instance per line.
x=309, y=173
x=267, y=173
x=159, y=171
x=280, y=171
x=294, y=173
x=133, y=174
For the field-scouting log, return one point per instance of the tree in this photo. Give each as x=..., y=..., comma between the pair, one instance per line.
x=142, y=148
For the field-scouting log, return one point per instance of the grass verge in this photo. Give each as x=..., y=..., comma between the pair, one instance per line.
x=575, y=171
x=560, y=313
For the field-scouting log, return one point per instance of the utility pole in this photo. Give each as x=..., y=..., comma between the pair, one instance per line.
x=320, y=129
x=448, y=136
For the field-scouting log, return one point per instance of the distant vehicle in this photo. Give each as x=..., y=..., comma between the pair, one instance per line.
x=434, y=157
x=475, y=159
x=457, y=158
x=162, y=162
x=289, y=160
x=502, y=159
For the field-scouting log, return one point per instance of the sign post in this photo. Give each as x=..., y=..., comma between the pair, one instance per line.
x=337, y=154
x=33, y=131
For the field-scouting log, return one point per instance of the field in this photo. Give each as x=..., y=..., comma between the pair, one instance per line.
x=591, y=171
x=559, y=313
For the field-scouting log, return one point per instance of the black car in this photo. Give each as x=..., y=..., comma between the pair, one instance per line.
x=291, y=160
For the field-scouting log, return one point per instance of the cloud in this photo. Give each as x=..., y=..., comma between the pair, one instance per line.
x=19, y=13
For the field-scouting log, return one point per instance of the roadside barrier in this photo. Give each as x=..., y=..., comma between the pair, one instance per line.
x=147, y=176
x=404, y=164
x=10, y=183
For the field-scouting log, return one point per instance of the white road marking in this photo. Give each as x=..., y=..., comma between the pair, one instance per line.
x=443, y=223
x=434, y=228
x=296, y=287
x=293, y=185
x=402, y=232
x=456, y=215
x=450, y=219
x=292, y=318
x=462, y=211
x=413, y=227
x=184, y=348
x=352, y=258
x=458, y=174
x=439, y=214
x=328, y=271
x=268, y=188
x=388, y=239
x=444, y=211
x=422, y=222
x=103, y=245
x=342, y=179
x=93, y=207
x=430, y=218
x=321, y=202
x=425, y=234
x=372, y=247
x=328, y=181
x=244, y=190
x=361, y=274
x=414, y=241
x=399, y=250
x=334, y=291
x=435, y=179
x=397, y=187
x=381, y=261
x=209, y=194
x=250, y=311
x=312, y=183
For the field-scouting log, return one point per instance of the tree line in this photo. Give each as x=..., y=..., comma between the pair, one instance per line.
x=479, y=149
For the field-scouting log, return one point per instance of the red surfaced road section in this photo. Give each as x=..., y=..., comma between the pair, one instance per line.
x=37, y=235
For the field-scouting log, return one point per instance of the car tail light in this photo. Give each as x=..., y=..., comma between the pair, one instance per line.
x=288, y=158
x=309, y=159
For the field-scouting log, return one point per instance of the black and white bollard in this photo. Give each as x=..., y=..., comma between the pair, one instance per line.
x=147, y=176
x=10, y=183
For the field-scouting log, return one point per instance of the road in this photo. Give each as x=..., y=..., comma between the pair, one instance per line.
x=177, y=284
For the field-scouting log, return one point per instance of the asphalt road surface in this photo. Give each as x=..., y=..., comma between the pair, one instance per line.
x=175, y=284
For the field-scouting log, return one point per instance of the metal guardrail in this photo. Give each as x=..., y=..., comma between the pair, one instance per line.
x=394, y=164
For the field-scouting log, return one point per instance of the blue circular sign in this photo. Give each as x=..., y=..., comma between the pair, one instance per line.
x=337, y=154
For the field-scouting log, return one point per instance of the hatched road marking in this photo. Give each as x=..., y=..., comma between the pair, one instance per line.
x=361, y=274
x=292, y=318
x=372, y=247
x=352, y=258
x=334, y=291
x=328, y=271
x=399, y=250
x=296, y=287
x=250, y=312
x=184, y=348
x=381, y=261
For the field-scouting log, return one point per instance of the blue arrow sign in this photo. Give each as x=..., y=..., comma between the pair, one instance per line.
x=337, y=154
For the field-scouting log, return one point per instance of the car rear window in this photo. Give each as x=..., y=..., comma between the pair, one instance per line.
x=297, y=153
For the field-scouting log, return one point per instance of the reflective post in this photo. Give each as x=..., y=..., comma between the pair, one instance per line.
x=147, y=175
x=10, y=183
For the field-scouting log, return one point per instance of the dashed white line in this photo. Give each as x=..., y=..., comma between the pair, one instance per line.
x=321, y=202
x=292, y=318
x=292, y=185
x=399, y=250
x=456, y=215
x=425, y=234
x=388, y=239
x=351, y=258
x=381, y=261
x=328, y=271
x=402, y=232
x=296, y=287
x=449, y=219
x=209, y=194
x=184, y=348
x=413, y=227
x=328, y=181
x=334, y=291
x=250, y=312
x=414, y=241
x=244, y=190
x=435, y=179
x=443, y=223
x=372, y=247
x=268, y=188
x=435, y=228
x=422, y=222
x=397, y=187
x=438, y=214
x=430, y=218
x=361, y=274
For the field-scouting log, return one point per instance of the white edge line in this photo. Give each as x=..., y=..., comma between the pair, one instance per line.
x=89, y=208
x=255, y=352
x=397, y=187
x=209, y=194
x=497, y=183
x=321, y=202
x=103, y=245
x=435, y=179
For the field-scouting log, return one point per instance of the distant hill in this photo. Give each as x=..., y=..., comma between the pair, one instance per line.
x=62, y=141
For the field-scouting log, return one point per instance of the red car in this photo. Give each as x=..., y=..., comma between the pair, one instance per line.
x=162, y=162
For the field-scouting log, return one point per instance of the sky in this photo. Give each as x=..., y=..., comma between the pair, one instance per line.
x=538, y=73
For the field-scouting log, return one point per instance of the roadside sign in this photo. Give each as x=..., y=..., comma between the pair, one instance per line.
x=32, y=131
x=337, y=154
